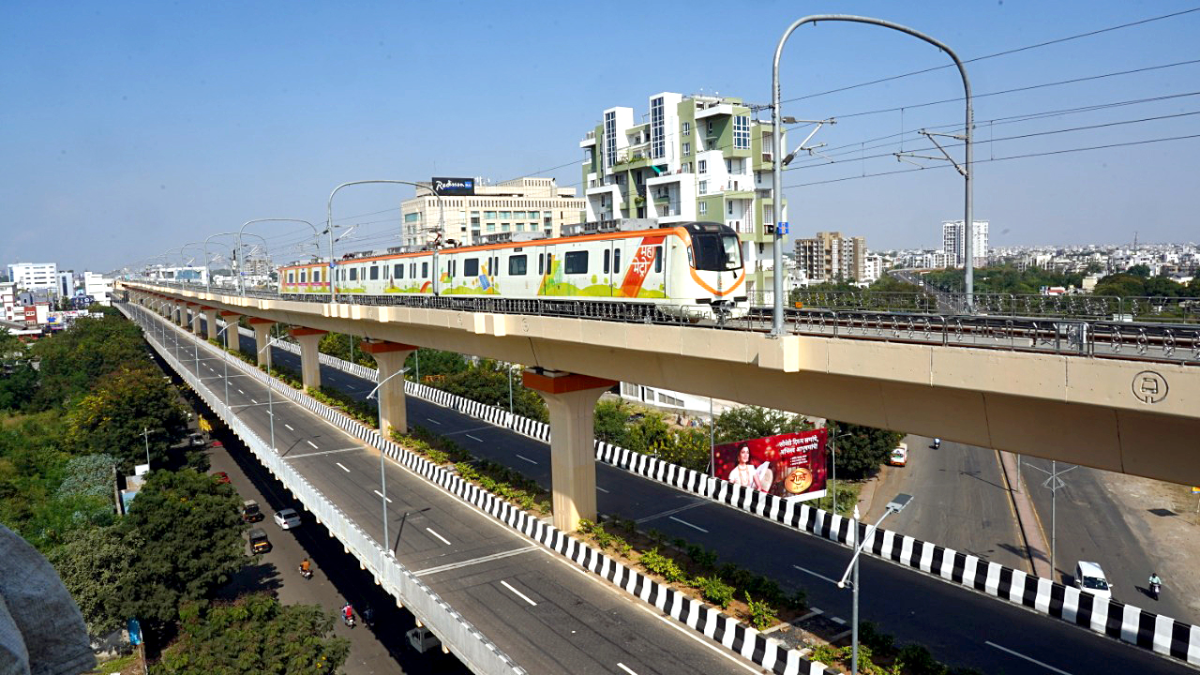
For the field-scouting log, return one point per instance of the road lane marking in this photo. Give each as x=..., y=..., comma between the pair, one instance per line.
x=625, y=668
x=324, y=452
x=254, y=402
x=519, y=593
x=684, y=522
x=476, y=561
x=312, y=444
x=602, y=489
x=1022, y=656
x=343, y=467
x=692, y=505
x=434, y=421
x=478, y=440
x=389, y=499
x=526, y=459
x=444, y=540
x=819, y=576
x=463, y=431
x=289, y=427
x=241, y=392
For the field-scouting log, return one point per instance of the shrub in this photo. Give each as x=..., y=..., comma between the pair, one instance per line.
x=659, y=564
x=879, y=642
x=917, y=660
x=762, y=615
x=715, y=591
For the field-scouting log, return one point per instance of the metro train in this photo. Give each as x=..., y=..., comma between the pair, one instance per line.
x=691, y=270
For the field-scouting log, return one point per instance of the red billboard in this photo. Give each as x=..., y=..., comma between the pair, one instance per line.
x=791, y=466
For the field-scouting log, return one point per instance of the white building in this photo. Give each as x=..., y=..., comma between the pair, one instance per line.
x=521, y=205
x=8, y=301
x=29, y=276
x=872, y=269
x=954, y=242
x=98, y=287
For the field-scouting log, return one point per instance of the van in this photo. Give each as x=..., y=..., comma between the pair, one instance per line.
x=1089, y=578
x=422, y=640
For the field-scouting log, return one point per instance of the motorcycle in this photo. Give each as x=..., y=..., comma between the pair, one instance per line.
x=348, y=618
x=1155, y=589
x=306, y=573
x=937, y=443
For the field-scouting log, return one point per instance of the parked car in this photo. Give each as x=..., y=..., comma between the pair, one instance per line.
x=259, y=542
x=899, y=456
x=287, y=518
x=221, y=477
x=196, y=439
x=250, y=511
x=1089, y=578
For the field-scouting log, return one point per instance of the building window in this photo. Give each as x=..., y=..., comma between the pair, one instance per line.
x=741, y=132
x=703, y=208
x=471, y=267
x=489, y=215
x=517, y=265
x=702, y=187
x=505, y=215
x=702, y=166
x=491, y=227
x=687, y=149
x=757, y=177
x=687, y=128
x=610, y=138
x=576, y=262
x=505, y=227
x=710, y=126
x=658, y=145
x=730, y=209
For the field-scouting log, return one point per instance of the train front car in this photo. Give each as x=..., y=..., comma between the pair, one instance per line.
x=714, y=278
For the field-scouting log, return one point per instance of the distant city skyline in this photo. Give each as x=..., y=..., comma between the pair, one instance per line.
x=137, y=128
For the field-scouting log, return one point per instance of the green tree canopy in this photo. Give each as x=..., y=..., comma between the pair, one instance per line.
x=124, y=403
x=255, y=634
x=339, y=345
x=486, y=384
x=860, y=449
x=191, y=528
x=19, y=389
x=751, y=421
x=94, y=564
x=435, y=362
x=74, y=359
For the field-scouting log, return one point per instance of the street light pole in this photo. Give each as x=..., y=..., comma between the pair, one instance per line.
x=270, y=389
x=241, y=278
x=895, y=506
x=777, y=141
x=382, y=473
x=146, y=435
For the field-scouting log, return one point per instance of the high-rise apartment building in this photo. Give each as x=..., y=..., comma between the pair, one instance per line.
x=522, y=205
x=831, y=257
x=30, y=276
x=954, y=243
x=692, y=158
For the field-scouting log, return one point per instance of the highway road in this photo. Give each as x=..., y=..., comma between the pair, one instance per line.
x=542, y=611
x=962, y=627
x=980, y=520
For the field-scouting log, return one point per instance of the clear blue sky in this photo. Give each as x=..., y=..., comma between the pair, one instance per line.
x=132, y=127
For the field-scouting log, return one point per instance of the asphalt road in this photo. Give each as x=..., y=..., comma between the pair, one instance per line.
x=980, y=518
x=962, y=627
x=536, y=607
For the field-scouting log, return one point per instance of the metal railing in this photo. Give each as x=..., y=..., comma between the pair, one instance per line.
x=912, y=322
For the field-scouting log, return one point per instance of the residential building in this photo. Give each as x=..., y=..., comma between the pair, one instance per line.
x=830, y=257
x=99, y=288
x=29, y=276
x=66, y=284
x=954, y=242
x=8, y=301
x=692, y=158
x=522, y=205
x=257, y=266
x=873, y=267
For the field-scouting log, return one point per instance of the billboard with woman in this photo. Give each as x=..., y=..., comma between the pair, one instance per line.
x=791, y=466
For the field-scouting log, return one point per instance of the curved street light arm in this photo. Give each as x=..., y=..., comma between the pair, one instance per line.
x=316, y=232
x=777, y=141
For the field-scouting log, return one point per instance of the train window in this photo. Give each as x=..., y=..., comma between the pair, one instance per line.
x=616, y=260
x=291, y=276
x=471, y=267
x=316, y=276
x=424, y=269
x=716, y=252
x=374, y=272
x=398, y=272
x=303, y=274
x=353, y=274
x=516, y=265
x=576, y=262
x=541, y=263
x=606, y=261
x=658, y=255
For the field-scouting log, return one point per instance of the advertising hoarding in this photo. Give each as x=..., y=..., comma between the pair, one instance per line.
x=790, y=466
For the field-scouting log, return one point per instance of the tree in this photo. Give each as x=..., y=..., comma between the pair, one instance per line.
x=123, y=404
x=863, y=450
x=1142, y=270
x=487, y=385
x=19, y=388
x=94, y=565
x=751, y=421
x=191, y=528
x=611, y=422
x=435, y=362
x=73, y=360
x=339, y=345
x=688, y=448
x=255, y=634
x=649, y=433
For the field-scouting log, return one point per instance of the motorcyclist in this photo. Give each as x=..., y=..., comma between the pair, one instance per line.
x=1155, y=580
x=347, y=613
x=305, y=566
x=368, y=615
x=937, y=443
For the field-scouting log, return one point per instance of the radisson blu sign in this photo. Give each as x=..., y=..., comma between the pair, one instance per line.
x=454, y=187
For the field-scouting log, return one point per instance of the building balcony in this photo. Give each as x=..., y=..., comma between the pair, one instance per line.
x=589, y=140
x=714, y=111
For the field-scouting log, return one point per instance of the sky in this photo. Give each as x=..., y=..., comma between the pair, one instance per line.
x=131, y=129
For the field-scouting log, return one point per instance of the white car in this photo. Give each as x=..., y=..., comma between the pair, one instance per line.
x=1089, y=578
x=287, y=518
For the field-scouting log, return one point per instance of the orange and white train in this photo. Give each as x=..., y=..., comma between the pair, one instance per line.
x=691, y=270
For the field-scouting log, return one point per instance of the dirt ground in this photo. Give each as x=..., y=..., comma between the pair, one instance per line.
x=1164, y=517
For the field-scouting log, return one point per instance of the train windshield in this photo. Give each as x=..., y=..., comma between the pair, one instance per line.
x=716, y=252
